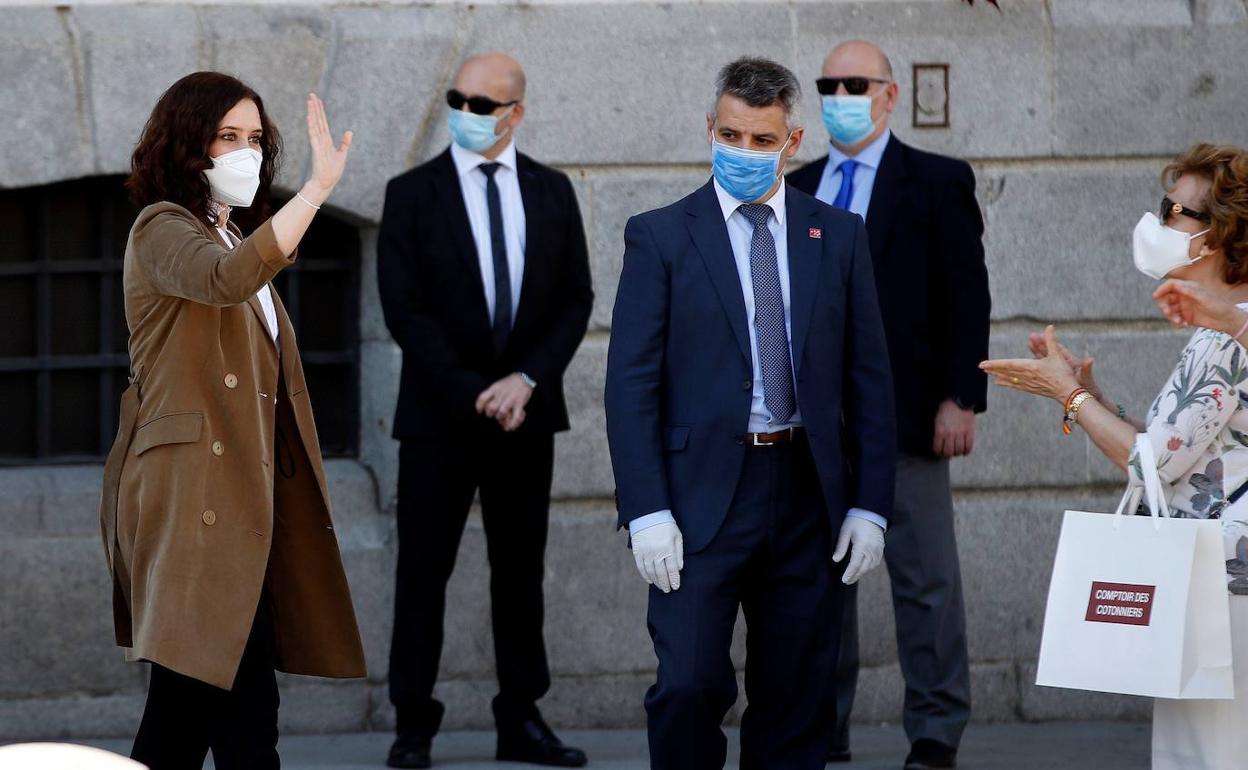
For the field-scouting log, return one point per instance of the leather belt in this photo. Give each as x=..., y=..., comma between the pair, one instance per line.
x=786, y=436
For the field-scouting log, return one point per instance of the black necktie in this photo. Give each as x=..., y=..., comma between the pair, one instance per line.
x=498, y=244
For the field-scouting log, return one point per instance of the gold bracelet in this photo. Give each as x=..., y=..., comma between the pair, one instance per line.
x=1072, y=413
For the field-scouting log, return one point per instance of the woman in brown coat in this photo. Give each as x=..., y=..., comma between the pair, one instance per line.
x=215, y=513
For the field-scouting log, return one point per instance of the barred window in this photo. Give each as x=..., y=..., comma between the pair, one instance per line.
x=63, y=361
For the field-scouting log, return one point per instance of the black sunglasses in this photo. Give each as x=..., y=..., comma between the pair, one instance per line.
x=1170, y=208
x=479, y=105
x=854, y=86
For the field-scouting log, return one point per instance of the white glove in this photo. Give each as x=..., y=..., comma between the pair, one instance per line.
x=867, y=541
x=660, y=555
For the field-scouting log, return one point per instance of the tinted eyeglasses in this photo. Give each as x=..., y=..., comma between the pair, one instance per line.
x=854, y=86
x=478, y=105
x=1169, y=208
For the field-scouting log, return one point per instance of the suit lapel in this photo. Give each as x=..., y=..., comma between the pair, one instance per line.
x=888, y=180
x=710, y=236
x=805, y=257
x=531, y=197
x=451, y=197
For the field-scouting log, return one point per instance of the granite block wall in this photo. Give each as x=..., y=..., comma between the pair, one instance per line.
x=1067, y=110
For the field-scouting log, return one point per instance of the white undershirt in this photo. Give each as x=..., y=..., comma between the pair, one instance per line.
x=265, y=295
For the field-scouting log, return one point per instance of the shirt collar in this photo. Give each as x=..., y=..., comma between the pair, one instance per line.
x=467, y=160
x=869, y=157
x=729, y=204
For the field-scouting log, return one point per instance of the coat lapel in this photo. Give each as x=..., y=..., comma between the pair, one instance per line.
x=253, y=301
x=710, y=236
x=805, y=257
x=888, y=179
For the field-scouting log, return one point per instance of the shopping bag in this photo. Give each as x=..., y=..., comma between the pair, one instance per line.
x=1138, y=605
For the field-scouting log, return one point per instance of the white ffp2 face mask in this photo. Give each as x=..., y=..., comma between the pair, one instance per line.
x=235, y=177
x=1160, y=250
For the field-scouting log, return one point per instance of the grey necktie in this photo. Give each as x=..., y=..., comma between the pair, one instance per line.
x=769, y=323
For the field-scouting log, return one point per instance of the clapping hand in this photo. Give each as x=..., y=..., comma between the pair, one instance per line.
x=1186, y=303
x=1080, y=367
x=1050, y=376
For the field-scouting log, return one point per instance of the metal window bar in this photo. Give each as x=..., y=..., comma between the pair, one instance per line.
x=105, y=221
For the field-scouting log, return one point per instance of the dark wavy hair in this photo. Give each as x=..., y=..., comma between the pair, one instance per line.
x=1226, y=168
x=172, y=153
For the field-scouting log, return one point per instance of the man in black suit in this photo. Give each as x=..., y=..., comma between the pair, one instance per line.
x=485, y=285
x=924, y=228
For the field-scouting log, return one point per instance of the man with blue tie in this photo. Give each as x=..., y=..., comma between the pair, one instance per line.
x=484, y=280
x=747, y=375
x=925, y=234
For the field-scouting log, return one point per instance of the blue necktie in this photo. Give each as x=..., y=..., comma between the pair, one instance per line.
x=769, y=324
x=845, y=195
x=502, y=274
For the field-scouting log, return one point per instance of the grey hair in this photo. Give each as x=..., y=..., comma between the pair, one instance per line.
x=760, y=83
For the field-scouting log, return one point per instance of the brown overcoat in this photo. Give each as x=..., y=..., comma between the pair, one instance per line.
x=198, y=509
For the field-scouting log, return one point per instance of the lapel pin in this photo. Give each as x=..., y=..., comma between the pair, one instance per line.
x=816, y=232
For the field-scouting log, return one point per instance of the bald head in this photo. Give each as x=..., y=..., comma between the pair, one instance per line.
x=857, y=58
x=495, y=75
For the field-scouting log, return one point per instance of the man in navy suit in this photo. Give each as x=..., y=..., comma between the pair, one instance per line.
x=750, y=419
x=925, y=230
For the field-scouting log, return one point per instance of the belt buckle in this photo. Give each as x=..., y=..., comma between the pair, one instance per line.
x=755, y=442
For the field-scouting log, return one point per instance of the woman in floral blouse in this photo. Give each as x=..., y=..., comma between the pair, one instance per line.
x=1198, y=424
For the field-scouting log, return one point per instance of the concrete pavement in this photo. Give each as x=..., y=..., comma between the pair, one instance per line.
x=1044, y=746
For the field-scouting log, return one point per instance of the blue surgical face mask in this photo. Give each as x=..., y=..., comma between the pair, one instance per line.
x=474, y=132
x=746, y=175
x=848, y=118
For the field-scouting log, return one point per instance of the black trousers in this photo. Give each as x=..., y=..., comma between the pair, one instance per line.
x=773, y=559
x=184, y=717
x=437, y=481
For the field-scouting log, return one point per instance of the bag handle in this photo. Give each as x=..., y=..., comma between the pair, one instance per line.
x=1153, y=489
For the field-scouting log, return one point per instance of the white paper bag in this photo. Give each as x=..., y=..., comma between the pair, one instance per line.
x=1138, y=605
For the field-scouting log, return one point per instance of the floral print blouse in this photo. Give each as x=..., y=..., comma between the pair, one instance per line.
x=1198, y=426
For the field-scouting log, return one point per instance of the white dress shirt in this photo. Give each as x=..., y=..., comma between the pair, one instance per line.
x=740, y=233
x=265, y=295
x=864, y=174
x=472, y=183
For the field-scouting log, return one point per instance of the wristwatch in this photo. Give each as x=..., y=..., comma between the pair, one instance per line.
x=532, y=383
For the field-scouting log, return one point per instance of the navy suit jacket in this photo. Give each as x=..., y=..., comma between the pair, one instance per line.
x=925, y=231
x=679, y=366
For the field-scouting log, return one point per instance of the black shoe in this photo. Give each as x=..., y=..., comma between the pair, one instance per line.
x=839, y=754
x=927, y=754
x=534, y=742
x=410, y=751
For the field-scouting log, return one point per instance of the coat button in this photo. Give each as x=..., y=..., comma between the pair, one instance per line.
x=209, y=517
x=746, y=385
x=218, y=448
x=231, y=381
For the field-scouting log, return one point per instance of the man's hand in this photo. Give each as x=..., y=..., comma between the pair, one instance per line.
x=505, y=401
x=955, y=430
x=660, y=555
x=865, y=541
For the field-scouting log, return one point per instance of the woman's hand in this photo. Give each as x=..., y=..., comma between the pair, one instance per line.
x=328, y=161
x=1186, y=303
x=1081, y=368
x=1049, y=376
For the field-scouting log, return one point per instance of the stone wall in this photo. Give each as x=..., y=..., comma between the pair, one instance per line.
x=1067, y=109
